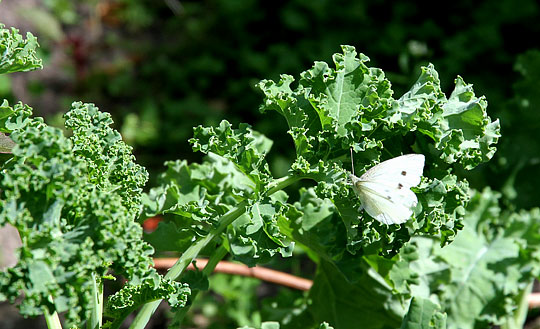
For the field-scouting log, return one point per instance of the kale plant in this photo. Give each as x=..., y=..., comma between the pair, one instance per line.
x=233, y=200
x=74, y=201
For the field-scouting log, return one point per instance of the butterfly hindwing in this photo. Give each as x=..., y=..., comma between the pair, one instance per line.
x=386, y=203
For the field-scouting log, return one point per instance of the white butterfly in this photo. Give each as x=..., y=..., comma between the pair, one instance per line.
x=385, y=189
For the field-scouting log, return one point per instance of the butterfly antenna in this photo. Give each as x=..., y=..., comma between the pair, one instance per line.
x=352, y=162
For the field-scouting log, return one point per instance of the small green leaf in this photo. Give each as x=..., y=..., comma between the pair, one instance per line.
x=17, y=54
x=132, y=296
x=424, y=314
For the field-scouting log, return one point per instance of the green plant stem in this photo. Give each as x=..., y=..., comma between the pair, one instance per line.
x=187, y=257
x=214, y=260
x=193, y=251
x=520, y=314
x=208, y=269
x=96, y=318
x=53, y=321
x=283, y=182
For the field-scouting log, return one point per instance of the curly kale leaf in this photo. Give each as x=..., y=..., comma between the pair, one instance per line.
x=479, y=278
x=352, y=106
x=131, y=296
x=74, y=205
x=193, y=196
x=424, y=314
x=17, y=54
x=256, y=237
x=245, y=147
x=110, y=162
x=332, y=110
x=458, y=127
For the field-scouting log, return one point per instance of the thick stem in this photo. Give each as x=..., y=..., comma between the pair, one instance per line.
x=96, y=317
x=214, y=260
x=281, y=183
x=53, y=321
x=520, y=314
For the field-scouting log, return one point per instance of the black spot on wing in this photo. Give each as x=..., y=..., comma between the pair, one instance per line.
x=403, y=173
x=399, y=186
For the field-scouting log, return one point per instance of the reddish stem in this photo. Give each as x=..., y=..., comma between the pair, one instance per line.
x=273, y=276
x=258, y=272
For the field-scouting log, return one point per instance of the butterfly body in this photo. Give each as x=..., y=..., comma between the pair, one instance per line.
x=385, y=189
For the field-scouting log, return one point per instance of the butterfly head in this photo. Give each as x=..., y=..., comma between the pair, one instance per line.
x=355, y=182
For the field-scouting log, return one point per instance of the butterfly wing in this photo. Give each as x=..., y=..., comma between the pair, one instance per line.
x=384, y=190
x=386, y=203
x=406, y=169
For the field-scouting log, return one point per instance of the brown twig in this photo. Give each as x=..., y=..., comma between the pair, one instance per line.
x=534, y=300
x=258, y=272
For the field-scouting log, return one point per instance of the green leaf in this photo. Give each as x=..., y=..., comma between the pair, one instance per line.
x=255, y=237
x=458, y=126
x=110, y=162
x=245, y=147
x=301, y=117
x=424, y=314
x=192, y=197
x=13, y=117
x=130, y=297
x=485, y=267
x=479, y=279
x=344, y=304
x=327, y=102
x=18, y=54
x=169, y=237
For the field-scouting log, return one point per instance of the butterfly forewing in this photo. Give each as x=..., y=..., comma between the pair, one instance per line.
x=406, y=169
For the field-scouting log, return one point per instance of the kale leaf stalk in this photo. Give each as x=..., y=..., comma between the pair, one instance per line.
x=213, y=261
x=52, y=320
